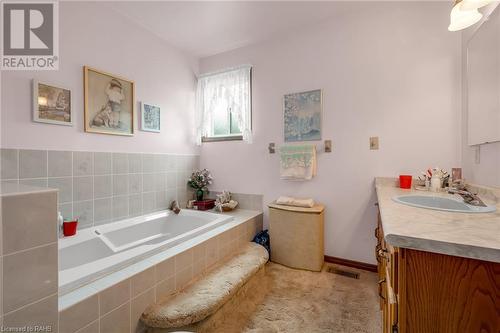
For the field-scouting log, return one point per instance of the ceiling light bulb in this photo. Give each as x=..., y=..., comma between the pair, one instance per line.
x=461, y=19
x=474, y=4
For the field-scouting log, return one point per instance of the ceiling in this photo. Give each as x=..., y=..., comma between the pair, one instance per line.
x=205, y=28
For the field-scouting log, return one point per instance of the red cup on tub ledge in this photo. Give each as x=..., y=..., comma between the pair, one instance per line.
x=69, y=227
x=405, y=181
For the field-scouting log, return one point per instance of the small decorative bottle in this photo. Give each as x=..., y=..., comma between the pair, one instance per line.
x=435, y=182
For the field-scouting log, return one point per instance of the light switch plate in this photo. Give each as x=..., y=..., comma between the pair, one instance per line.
x=374, y=143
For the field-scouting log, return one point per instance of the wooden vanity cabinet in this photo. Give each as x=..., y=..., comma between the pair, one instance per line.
x=424, y=292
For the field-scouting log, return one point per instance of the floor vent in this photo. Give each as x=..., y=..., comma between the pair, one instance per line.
x=352, y=275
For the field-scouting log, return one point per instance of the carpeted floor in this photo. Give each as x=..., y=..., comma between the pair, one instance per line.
x=302, y=301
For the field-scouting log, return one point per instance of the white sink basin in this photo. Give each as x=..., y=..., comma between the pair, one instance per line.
x=451, y=204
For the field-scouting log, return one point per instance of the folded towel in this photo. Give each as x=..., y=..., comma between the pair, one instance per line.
x=288, y=201
x=298, y=162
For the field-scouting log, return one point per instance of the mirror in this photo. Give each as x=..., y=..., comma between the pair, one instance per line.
x=483, y=82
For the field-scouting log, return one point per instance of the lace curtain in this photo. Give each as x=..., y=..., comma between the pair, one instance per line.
x=233, y=86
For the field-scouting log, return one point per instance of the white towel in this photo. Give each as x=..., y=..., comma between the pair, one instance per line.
x=288, y=201
x=298, y=162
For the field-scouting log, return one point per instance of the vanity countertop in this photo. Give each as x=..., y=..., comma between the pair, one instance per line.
x=470, y=235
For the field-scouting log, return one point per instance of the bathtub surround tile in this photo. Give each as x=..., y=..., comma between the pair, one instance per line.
x=211, y=252
x=120, y=207
x=184, y=260
x=148, y=163
x=42, y=314
x=135, y=183
x=135, y=205
x=160, y=181
x=139, y=304
x=165, y=288
x=102, y=211
x=117, y=321
x=148, y=202
x=182, y=178
x=120, y=184
x=26, y=228
x=165, y=269
x=84, y=212
x=172, y=180
x=171, y=163
x=183, y=277
x=83, y=188
x=143, y=281
x=181, y=164
x=10, y=163
x=134, y=163
x=82, y=163
x=66, y=210
x=37, y=182
x=102, y=163
x=30, y=275
x=114, y=297
x=171, y=196
x=161, y=200
x=60, y=163
x=12, y=181
x=157, y=178
x=103, y=187
x=90, y=328
x=79, y=315
x=65, y=187
x=32, y=163
x=161, y=162
x=120, y=163
x=148, y=182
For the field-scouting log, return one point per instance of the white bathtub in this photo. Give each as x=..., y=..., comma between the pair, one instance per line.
x=97, y=251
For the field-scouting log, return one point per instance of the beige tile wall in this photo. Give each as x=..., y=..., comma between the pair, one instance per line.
x=119, y=308
x=28, y=261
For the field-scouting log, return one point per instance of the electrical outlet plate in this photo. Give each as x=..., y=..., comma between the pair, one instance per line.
x=374, y=143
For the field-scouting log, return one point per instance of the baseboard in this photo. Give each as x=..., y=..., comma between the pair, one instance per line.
x=351, y=263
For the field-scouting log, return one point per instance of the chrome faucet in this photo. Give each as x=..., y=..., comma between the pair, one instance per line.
x=174, y=206
x=469, y=197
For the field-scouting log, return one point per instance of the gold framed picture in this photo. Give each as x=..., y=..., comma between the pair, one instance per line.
x=51, y=104
x=109, y=103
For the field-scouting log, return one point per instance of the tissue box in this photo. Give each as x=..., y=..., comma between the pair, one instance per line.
x=204, y=204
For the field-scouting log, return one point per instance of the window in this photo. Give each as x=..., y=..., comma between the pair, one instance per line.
x=223, y=106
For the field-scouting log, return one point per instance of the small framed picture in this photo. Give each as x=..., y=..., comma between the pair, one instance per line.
x=302, y=115
x=109, y=103
x=150, y=117
x=51, y=104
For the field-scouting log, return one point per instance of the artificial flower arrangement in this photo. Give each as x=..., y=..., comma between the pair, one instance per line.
x=199, y=180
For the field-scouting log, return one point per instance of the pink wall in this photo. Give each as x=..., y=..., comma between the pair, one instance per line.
x=383, y=73
x=95, y=35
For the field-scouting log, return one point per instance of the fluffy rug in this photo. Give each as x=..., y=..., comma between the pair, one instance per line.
x=303, y=301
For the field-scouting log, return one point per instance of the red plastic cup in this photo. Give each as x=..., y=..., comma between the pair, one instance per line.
x=69, y=228
x=405, y=181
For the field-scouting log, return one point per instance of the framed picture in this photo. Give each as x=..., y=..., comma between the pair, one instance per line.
x=150, y=117
x=302, y=116
x=109, y=103
x=51, y=104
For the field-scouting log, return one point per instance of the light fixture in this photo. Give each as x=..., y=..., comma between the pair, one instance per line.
x=461, y=19
x=474, y=4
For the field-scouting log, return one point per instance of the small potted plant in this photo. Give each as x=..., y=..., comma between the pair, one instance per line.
x=199, y=180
